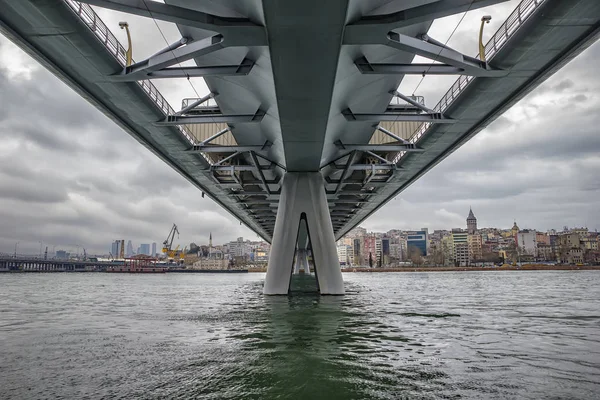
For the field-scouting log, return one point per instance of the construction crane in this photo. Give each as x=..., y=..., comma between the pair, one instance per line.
x=169, y=242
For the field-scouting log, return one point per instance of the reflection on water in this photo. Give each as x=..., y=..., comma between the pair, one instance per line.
x=443, y=335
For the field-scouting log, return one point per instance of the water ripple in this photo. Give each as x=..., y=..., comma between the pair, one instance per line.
x=423, y=336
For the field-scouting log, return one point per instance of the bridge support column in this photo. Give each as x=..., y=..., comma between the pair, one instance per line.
x=303, y=197
x=301, y=263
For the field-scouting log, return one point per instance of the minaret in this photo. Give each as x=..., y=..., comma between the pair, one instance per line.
x=210, y=245
x=471, y=223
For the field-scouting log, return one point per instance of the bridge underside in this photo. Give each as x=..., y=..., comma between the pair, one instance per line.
x=301, y=92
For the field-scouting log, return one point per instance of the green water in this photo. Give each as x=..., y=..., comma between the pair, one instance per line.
x=405, y=335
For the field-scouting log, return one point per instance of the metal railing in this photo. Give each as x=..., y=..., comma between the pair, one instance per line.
x=112, y=44
x=521, y=14
x=397, y=101
x=208, y=103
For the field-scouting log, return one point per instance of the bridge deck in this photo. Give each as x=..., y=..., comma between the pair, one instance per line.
x=69, y=39
x=52, y=33
x=553, y=35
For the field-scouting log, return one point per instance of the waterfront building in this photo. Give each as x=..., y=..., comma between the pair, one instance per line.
x=590, y=243
x=527, y=242
x=542, y=238
x=460, y=251
x=62, y=255
x=357, y=232
x=261, y=256
x=211, y=263
x=418, y=240
x=544, y=252
x=448, y=249
x=582, y=232
x=239, y=248
x=116, y=248
x=385, y=250
x=475, y=247
x=570, y=240
x=144, y=249
x=471, y=223
x=370, y=248
x=153, y=249
x=342, y=252
x=129, y=249
x=356, y=250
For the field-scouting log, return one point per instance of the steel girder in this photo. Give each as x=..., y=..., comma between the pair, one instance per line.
x=243, y=68
x=237, y=31
x=373, y=29
x=210, y=119
x=435, y=118
x=433, y=51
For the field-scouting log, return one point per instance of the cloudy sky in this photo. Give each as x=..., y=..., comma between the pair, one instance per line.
x=70, y=177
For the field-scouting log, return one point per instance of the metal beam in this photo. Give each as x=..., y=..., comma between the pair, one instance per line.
x=377, y=156
x=368, y=28
x=378, y=147
x=435, y=118
x=411, y=101
x=210, y=119
x=251, y=209
x=271, y=161
x=408, y=69
x=369, y=177
x=471, y=66
x=188, y=72
x=363, y=167
x=347, y=201
x=229, y=157
x=346, y=170
x=140, y=70
x=263, y=201
x=239, y=168
x=215, y=148
x=392, y=135
x=239, y=31
x=352, y=192
x=196, y=103
x=261, y=176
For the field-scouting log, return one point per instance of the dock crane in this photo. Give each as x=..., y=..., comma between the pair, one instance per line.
x=169, y=242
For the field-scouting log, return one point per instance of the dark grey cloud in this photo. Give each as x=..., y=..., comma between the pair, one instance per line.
x=538, y=164
x=70, y=176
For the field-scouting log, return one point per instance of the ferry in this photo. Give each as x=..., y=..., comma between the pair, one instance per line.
x=139, y=264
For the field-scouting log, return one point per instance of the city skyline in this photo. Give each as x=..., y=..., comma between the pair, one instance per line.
x=132, y=249
x=71, y=177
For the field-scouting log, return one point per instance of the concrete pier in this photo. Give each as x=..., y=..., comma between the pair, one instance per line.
x=303, y=200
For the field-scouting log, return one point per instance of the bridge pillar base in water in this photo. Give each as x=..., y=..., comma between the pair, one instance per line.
x=303, y=199
x=301, y=263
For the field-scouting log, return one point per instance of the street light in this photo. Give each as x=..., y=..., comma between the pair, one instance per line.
x=484, y=20
x=125, y=25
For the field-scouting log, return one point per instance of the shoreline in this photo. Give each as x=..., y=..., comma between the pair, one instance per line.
x=532, y=267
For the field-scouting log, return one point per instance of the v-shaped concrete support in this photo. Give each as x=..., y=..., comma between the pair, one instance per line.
x=303, y=197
